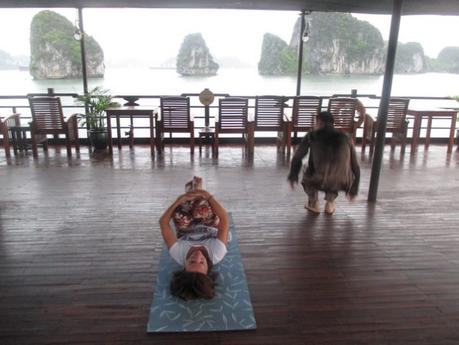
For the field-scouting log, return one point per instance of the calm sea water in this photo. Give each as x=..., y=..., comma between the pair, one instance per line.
x=235, y=82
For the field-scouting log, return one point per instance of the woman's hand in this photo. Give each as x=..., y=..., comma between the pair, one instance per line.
x=203, y=193
x=185, y=197
x=194, y=194
x=199, y=193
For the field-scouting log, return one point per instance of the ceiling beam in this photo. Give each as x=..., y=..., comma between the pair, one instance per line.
x=410, y=7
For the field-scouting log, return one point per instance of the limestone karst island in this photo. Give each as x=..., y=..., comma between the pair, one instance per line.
x=194, y=58
x=55, y=54
x=338, y=43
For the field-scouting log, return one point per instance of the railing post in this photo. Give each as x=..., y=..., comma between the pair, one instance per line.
x=206, y=97
x=206, y=116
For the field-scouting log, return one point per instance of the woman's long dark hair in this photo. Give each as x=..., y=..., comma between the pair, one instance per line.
x=193, y=285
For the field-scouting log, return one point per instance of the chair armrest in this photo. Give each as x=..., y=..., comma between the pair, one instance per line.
x=369, y=126
x=12, y=120
x=73, y=117
x=360, y=108
x=371, y=117
x=72, y=126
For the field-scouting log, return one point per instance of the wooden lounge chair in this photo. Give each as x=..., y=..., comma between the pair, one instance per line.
x=174, y=118
x=349, y=114
x=304, y=112
x=48, y=118
x=5, y=124
x=269, y=117
x=396, y=124
x=232, y=118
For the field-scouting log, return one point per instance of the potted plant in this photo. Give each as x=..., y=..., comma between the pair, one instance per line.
x=97, y=100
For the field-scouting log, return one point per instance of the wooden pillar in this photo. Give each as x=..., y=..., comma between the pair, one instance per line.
x=83, y=51
x=83, y=60
x=384, y=103
x=300, y=54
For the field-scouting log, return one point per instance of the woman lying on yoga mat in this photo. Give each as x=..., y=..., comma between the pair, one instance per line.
x=202, y=234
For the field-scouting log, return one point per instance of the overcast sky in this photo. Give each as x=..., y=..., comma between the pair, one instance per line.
x=152, y=35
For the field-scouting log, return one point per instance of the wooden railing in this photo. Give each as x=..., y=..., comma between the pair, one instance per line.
x=203, y=115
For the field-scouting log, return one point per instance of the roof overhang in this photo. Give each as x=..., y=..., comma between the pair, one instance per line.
x=410, y=7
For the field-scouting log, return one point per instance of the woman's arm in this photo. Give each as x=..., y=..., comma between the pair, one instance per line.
x=168, y=234
x=219, y=210
x=223, y=225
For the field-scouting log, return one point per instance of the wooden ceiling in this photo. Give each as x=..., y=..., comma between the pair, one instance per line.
x=439, y=7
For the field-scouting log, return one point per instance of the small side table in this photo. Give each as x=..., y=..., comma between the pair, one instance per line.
x=131, y=112
x=19, y=138
x=208, y=134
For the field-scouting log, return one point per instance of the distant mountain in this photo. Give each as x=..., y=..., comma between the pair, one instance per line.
x=338, y=43
x=410, y=58
x=447, y=60
x=8, y=61
x=22, y=60
x=341, y=44
x=127, y=62
x=169, y=63
x=223, y=62
x=232, y=62
x=277, y=58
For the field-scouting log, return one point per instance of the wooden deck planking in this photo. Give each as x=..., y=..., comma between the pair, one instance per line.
x=79, y=249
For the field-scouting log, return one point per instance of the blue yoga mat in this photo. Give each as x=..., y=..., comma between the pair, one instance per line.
x=230, y=309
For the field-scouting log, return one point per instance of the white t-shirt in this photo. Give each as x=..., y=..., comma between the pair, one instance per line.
x=216, y=249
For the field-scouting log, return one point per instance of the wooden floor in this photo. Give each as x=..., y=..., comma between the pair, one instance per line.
x=79, y=249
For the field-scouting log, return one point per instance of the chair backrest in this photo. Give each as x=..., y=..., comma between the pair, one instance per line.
x=269, y=112
x=343, y=110
x=232, y=115
x=47, y=114
x=175, y=113
x=396, y=114
x=305, y=110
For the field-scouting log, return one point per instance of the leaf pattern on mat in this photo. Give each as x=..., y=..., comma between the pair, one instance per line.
x=231, y=308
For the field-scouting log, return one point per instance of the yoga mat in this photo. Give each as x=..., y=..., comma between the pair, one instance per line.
x=230, y=309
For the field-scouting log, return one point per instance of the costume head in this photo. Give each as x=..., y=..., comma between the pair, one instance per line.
x=326, y=118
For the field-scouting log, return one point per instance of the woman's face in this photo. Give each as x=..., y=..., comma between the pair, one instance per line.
x=196, y=261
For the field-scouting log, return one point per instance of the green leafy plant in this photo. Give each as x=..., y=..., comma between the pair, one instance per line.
x=98, y=100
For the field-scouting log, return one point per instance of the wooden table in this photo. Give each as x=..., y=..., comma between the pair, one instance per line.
x=129, y=112
x=430, y=114
x=207, y=134
x=19, y=138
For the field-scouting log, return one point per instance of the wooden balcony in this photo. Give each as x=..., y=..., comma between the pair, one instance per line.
x=80, y=244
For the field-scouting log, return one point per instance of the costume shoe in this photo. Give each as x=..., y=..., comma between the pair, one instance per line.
x=329, y=207
x=313, y=206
